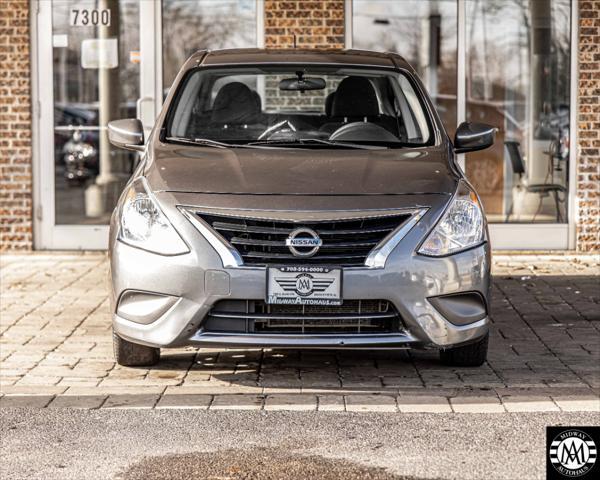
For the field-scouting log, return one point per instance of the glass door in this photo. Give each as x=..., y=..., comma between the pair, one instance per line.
x=93, y=67
x=99, y=60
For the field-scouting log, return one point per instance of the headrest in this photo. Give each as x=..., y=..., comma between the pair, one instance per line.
x=235, y=104
x=355, y=97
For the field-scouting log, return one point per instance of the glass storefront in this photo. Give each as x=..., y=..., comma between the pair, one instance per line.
x=518, y=64
x=517, y=79
x=113, y=59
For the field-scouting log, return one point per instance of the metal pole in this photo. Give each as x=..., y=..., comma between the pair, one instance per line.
x=461, y=71
x=108, y=93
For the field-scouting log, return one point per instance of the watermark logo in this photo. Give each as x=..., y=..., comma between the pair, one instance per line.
x=572, y=452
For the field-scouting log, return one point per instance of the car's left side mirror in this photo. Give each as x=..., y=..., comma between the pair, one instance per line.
x=127, y=133
x=471, y=137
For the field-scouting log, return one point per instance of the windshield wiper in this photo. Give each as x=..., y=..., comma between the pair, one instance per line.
x=306, y=141
x=206, y=142
x=344, y=144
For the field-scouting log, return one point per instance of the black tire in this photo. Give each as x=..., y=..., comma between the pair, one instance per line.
x=131, y=354
x=471, y=355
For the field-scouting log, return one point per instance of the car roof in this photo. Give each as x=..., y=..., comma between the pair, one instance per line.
x=301, y=56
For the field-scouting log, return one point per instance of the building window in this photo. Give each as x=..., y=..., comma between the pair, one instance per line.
x=189, y=26
x=424, y=33
x=518, y=79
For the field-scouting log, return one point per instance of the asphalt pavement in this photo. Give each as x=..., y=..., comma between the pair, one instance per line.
x=167, y=444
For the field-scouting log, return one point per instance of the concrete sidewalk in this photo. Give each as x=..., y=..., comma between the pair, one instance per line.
x=56, y=351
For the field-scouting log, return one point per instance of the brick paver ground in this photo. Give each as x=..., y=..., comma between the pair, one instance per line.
x=56, y=351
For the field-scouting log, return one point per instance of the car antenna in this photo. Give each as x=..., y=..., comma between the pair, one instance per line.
x=294, y=40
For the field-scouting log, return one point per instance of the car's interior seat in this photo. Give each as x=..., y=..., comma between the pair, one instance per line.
x=355, y=100
x=329, y=104
x=257, y=99
x=236, y=114
x=235, y=104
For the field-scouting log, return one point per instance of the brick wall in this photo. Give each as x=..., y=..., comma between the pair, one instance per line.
x=316, y=24
x=15, y=127
x=588, y=163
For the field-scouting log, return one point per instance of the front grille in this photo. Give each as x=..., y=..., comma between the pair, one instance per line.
x=256, y=316
x=345, y=242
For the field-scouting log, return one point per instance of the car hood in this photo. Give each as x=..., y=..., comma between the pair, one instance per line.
x=299, y=171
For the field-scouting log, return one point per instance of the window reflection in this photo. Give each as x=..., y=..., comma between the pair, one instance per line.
x=95, y=81
x=424, y=33
x=518, y=80
x=189, y=26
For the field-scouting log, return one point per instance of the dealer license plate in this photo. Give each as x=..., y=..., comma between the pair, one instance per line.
x=304, y=285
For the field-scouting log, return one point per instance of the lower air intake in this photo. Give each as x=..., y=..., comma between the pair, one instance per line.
x=256, y=316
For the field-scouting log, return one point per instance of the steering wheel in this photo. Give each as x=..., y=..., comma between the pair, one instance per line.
x=280, y=126
x=364, y=132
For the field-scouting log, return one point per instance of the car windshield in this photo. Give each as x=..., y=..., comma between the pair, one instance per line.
x=298, y=106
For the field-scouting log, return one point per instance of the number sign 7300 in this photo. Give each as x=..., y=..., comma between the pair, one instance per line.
x=89, y=17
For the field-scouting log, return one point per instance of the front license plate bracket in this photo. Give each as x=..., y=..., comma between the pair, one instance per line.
x=304, y=285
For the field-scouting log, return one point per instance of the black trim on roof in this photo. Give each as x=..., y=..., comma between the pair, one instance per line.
x=331, y=56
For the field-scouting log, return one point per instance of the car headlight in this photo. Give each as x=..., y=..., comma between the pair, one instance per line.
x=142, y=224
x=461, y=227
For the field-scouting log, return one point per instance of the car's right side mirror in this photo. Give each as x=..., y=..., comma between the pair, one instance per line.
x=471, y=137
x=127, y=133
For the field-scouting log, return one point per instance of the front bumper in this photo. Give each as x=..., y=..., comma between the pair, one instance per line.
x=351, y=341
x=194, y=282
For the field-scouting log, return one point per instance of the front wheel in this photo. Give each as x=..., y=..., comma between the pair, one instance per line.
x=471, y=355
x=131, y=354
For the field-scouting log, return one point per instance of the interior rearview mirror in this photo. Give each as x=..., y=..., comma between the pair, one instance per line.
x=471, y=137
x=127, y=133
x=302, y=83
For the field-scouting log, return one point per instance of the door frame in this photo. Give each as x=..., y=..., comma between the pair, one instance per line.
x=48, y=235
x=518, y=236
